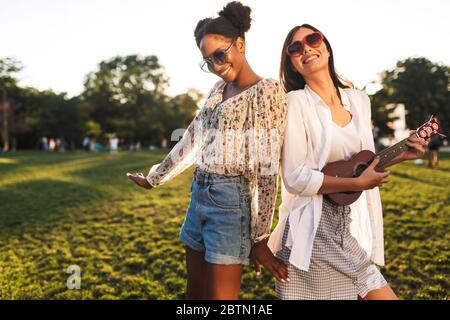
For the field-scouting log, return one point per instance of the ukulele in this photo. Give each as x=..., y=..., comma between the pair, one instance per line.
x=355, y=166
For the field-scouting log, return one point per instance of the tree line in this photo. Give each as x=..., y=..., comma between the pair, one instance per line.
x=126, y=96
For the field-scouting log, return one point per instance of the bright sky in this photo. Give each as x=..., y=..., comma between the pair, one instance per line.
x=59, y=42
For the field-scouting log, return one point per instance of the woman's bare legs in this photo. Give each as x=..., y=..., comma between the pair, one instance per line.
x=437, y=159
x=196, y=268
x=211, y=281
x=224, y=281
x=430, y=159
x=433, y=159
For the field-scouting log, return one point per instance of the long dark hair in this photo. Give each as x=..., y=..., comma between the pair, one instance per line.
x=291, y=79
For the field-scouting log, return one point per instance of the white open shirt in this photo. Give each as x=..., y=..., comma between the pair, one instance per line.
x=306, y=150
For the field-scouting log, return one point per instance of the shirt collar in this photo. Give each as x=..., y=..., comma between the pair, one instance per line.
x=315, y=99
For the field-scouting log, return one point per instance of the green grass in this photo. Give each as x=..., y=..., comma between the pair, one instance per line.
x=76, y=208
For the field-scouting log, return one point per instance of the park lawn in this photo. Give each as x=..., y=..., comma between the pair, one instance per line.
x=77, y=208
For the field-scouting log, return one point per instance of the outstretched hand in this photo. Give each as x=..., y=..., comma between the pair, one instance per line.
x=139, y=179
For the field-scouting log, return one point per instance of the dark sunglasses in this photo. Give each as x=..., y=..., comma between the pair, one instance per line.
x=219, y=57
x=296, y=48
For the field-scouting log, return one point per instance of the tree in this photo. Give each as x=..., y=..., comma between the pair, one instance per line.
x=8, y=106
x=124, y=96
x=381, y=115
x=51, y=114
x=423, y=87
x=181, y=110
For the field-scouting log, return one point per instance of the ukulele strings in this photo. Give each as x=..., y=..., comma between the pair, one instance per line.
x=389, y=153
x=384, y=157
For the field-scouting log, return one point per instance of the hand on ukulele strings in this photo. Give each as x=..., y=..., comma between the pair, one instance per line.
x=139, y=179
x=416, y=147
x=261, y=255
x=370, y=178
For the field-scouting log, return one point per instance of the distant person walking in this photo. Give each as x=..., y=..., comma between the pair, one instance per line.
x=44, y=143
x=433, y=150
x=113, y=144
x=86, y=143
x=52, y=144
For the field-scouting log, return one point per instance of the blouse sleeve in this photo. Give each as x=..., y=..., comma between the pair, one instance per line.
x=183, y=154
x=181, y=157
x=297, y=177
x=269, y=132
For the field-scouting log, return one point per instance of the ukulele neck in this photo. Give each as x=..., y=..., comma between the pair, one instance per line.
x=425, y=131
x=390, y=153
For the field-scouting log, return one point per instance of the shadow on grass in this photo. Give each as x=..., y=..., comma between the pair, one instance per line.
x=111, y=171
x=24, y=204
x=99, y=178
x=417, y=179
x=36, y=158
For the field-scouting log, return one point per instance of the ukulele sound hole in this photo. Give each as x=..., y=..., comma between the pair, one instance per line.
x=360, y=169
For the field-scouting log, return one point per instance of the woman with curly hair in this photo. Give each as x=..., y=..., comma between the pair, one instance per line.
x=235, y=142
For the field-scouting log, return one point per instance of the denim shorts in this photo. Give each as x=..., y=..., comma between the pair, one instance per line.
x=218, y=219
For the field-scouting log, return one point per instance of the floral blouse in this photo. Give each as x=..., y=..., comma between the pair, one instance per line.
x=241, y=135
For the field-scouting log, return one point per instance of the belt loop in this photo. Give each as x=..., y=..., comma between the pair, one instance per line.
x=197, y=174
x=208, y=178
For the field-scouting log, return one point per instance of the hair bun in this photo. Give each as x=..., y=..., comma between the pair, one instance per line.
x=238, y=15
x=201, y=24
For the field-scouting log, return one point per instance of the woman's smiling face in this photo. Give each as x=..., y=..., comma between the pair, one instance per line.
x=310, y=60
x=212, y=43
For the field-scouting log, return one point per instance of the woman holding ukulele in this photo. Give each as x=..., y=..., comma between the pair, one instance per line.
x=327, y=256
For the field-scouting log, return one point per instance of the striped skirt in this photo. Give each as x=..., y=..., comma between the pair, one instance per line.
x=339, y=267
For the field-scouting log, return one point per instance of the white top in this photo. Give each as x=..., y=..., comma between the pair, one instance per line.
x=114, y=143
x=346, y=142
x=306, y=150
